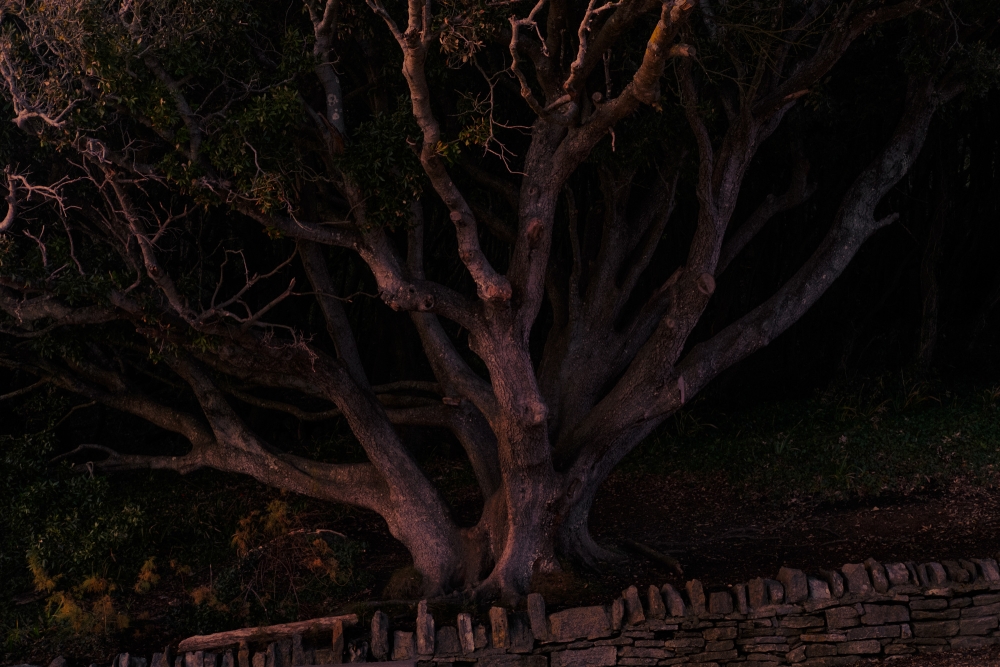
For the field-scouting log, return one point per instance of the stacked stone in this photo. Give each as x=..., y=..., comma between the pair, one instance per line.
x=835, y=618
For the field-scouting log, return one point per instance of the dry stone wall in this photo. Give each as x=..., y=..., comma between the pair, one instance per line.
x=834, y=618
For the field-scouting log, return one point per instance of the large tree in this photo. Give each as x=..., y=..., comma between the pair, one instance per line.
x=547, y=191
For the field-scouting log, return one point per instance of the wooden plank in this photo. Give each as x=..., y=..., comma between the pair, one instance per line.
x=268, y=633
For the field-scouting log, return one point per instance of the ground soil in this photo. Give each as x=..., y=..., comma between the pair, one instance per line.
x=723, y=536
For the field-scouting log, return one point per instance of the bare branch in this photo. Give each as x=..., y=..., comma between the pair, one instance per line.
x=115, y=462
x=324, y=20
x=490, y=285
x=21, y=392
x=798, y=192
x=280, y=406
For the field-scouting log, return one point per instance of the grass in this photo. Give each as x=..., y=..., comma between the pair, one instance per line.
x=887, y=435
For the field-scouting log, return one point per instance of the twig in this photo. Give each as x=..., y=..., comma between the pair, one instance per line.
x=655, y=555
x=22, y=392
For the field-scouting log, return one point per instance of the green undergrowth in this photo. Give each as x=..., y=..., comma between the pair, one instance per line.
x=94, y=564
x=883, y=436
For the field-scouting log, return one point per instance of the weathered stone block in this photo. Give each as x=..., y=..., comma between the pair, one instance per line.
x=696, y=596
x=337, y=642
x=727, y=645
x=863, y=647
x=509, y=660
x=636, y=652
x=795, y=583
x=983, y=610
x=932, y=574
x=446, y=641
x=617, y=614
x=633, y=608
x=684, y=642
x=899, y=649
x=936, y=629
x=466, y=637
x=425, y=629
x=929, y=604
x=988, y=598
x=835, y=581
x=599, y=656
x=638, y=662
x=720, y=602
x=719, y=634
x=988, y=567
x=402, y=646
x=873, y=632
x=956, y=572
x=714, y=655
x=498, y=626
x=818, y=589
x=654, y=602
x=740, y=596
x=579, y=623
x=965, y=643
x=616, y=641
x=802, y=622
x=762, y=639
x=832, y=661
x=775, y=591
x=880, y=614
x=820, y=650
x=841, y=617
x=857, y=579
x=797, y=654
x=959, y=603
x=944, y=615
x=756, y=593
x=823, y=637
x=977, y=626
x=521, y=640
x=536, y=616
x=897, y=574
x=970, y=567
x=480, y=637
x=880, y=582
x=380, y=638
x=675, y=604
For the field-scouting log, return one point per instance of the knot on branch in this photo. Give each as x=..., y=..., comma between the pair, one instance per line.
x=495, y=290
x=408, y=297
x=535, y=413
x=706, y=284
x=681, y=51
x=534, y=231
